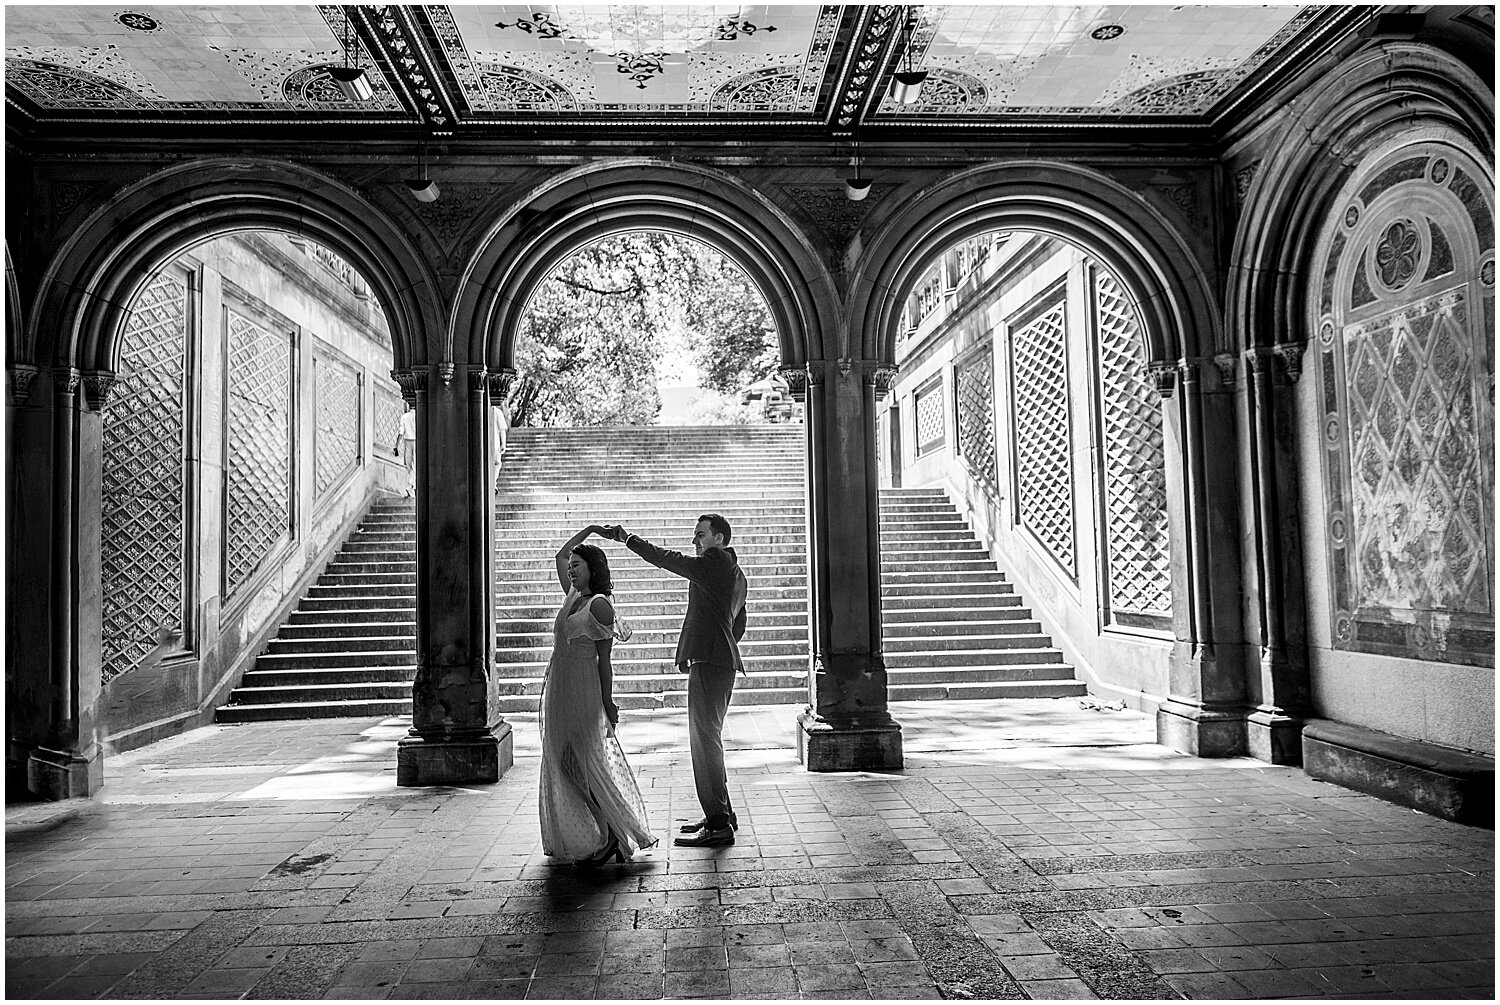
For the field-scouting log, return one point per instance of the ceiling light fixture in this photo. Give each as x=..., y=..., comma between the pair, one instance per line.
x=906, y=88
x=423, y=188
x=856, y=188
x=352, y=80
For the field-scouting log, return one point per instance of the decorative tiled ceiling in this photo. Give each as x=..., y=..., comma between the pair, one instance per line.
x=450, y=67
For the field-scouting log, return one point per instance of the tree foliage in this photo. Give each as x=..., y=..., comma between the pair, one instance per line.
x=597, y=325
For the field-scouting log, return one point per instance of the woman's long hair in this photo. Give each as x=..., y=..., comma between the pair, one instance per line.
x=598, y=563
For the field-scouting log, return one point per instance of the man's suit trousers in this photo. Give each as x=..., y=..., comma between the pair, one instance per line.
x=709, y=689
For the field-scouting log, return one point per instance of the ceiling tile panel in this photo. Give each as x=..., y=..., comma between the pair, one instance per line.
x=255, y=57
x=641, y=58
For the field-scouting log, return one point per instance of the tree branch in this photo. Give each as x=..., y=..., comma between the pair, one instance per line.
x=632, y=288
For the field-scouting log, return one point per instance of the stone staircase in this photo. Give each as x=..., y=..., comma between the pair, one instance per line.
x=954, y=628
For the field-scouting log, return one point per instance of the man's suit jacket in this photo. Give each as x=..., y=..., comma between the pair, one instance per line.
x=715, y=619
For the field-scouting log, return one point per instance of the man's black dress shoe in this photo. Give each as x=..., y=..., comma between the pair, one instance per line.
x=706, y=838
x=694, y=828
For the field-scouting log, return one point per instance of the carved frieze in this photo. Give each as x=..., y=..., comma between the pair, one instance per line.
x=1243, y=178
x=833, y=212
x=458, y=207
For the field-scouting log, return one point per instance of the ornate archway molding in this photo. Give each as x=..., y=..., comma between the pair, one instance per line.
x=1172, y=291
x=84, y=297
x=585, y=204
x=1397, y=92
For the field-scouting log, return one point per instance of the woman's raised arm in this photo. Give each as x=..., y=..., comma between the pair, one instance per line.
x=567, y=549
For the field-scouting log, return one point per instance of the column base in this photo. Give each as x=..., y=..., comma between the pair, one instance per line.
x=468, y=760
x=62, y=774
x=1274, y=737
x=1201, y=732
x=824, y=746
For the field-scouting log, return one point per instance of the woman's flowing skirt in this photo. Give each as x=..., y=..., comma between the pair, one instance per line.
x=586, y=788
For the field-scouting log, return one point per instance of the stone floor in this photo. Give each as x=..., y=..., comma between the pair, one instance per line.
x=1029, y=849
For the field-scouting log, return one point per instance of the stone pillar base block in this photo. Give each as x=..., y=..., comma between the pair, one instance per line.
x=1199, y=731
x=824, y=746
x=61, y=774
x=468, y=760
x=1274, y=738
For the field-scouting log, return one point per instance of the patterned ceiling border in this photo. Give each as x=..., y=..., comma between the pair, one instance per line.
x=400, y=40
x=872, y=47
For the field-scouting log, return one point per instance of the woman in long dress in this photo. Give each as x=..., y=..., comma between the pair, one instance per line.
x=591, y=808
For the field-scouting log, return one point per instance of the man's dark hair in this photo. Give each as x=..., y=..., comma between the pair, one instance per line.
x=717, y=524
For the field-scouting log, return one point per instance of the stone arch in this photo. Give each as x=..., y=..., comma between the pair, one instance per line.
x=88, y=288
x=1137, y=243
x=580, y=206
x=1398, y=93
x=14, y=321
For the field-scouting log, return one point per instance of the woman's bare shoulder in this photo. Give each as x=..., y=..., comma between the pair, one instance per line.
x=602, y=609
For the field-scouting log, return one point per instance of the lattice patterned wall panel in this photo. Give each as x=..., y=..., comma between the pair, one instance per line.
x=1134, y=490
x=928, y=412
x=975, y=378
x=1412, y=432
x=1039, y=407
x=258, y=457
x=143, y=536
x=388, y=409
x=337, y=436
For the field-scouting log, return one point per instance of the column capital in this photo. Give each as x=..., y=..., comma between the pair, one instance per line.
x=479, y=378
x=1164, y=376
x=796, y=380
x=501, y=383
x=22, y=375
x=1225, y=361
x=1290, y=354
x=883, y=376
x=412, y=383
x=65, y=381
x=96, y=387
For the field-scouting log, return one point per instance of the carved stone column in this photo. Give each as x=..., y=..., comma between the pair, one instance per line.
x=1274, y=577
x=1206, y=707
x=458, y=735
x=847, y=725
x=54, y=603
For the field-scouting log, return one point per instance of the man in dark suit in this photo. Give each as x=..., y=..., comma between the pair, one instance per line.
x=708, y=652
